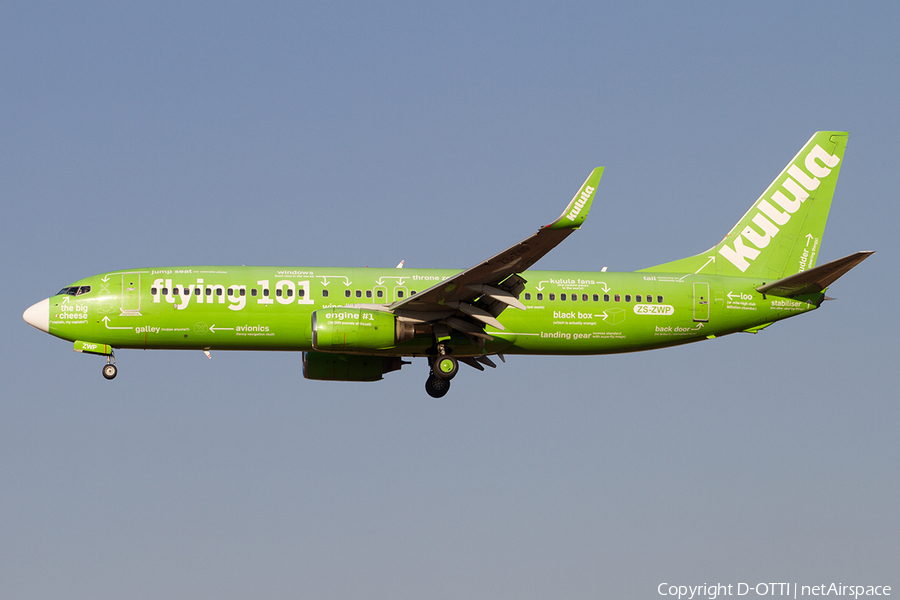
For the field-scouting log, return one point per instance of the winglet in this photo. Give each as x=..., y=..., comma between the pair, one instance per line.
x=577, y=210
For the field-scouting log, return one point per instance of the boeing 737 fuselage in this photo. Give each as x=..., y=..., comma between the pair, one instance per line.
x=356, y=324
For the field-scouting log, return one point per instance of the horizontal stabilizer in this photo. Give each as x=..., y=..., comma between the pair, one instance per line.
x=814, y=280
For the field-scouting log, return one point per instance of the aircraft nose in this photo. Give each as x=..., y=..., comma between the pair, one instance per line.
x=38, y=315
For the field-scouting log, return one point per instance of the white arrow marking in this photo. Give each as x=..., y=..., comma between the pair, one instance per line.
x=809, y=238
x=604, y=315
x=325, y=279
x=699, y=326
x=106, y=322
x=212, y=328
x=731, y=296
x=380, y=280
x=712, y=259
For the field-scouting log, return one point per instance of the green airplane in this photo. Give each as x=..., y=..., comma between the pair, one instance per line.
x=356, y=324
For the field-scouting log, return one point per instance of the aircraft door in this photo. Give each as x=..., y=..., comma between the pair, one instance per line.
x=701, y=301
x=131, y=295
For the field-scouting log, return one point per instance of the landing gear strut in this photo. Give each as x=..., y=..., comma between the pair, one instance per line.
x=443, y=368
x=109, y=369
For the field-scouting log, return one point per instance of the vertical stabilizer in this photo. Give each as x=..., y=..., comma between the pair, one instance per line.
x=781, y=234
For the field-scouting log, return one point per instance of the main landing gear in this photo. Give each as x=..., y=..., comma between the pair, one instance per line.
x=436, y=387
x=443, y=368
x=109, y=369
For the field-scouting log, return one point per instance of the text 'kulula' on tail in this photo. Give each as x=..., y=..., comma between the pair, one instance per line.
x=782, y=233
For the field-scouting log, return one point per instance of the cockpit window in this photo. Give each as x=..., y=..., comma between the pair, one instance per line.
x=74, y=290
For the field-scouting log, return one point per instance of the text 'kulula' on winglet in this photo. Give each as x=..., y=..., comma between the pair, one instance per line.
x=577, y=210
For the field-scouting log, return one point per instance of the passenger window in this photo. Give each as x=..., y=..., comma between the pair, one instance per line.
x=412, y=293
x=253, y=292
x=528, y=295
x=358, y=293
x=230, y=291
x=175, y=291
x=196, y=291
x=218, y=291
x=659, y=299
x=562, y=297
x=290, y=293
x=606, y=297
x=649, y=298
x=368, y=293
x=552, y=296
x=209, y=291
x=153, y=291
x=596, y=297
x=265, y=292
x=627, y=297
x=540, y=296
x=584, y=297
x=399, y=293
x=379, y=294
x=278, y=292
x=243, y=292
x=324, y=293
x=301, y=293
x=346, y=293
x=574, y=297
x=637, y=298
x=165, y=291
x=618, y=298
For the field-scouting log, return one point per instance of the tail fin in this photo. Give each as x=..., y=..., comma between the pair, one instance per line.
x=782, y=233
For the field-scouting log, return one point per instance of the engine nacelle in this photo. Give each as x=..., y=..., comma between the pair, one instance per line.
x=348, y=367
x=357, y=329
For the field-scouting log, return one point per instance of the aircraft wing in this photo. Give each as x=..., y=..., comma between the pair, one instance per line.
x=813, y=280
x=482, y=292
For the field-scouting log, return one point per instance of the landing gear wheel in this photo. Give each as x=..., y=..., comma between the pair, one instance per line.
x=110, y=371
x=445, y=367
x=436, y=387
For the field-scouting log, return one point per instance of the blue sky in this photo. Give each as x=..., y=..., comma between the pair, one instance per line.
x=351, y=134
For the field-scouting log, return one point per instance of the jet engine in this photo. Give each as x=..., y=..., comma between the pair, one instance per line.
x=344, y=329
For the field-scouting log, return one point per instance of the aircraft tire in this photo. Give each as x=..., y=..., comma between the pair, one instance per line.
x=445, y=367
x=110, y=371
x=436, y=387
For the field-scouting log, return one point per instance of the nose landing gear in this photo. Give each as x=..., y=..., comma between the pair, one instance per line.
x=109, y=369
